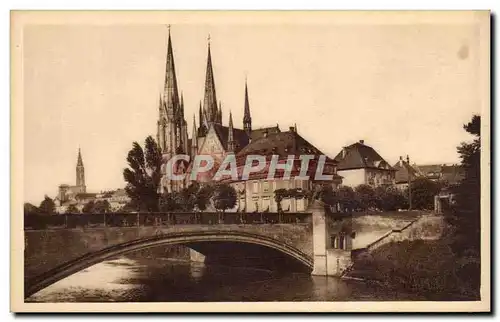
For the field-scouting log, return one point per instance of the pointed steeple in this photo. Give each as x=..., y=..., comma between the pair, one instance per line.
x=210, y=98
x=202, y=129
x=200, y=115
x=80, y=173
x=79, y=162
x=231, y=146
x=194, y=134
x=247, y=119
x=170, y=91
x=194, y=139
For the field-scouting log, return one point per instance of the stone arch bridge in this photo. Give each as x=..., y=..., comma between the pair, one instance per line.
x=60, y=245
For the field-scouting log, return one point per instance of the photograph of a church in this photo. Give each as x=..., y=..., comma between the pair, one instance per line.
x=295, y=160
x=213, y=135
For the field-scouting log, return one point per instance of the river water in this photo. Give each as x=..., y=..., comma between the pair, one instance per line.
x=132, y=279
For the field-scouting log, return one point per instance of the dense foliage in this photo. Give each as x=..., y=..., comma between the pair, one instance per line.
x=423, y=191
x=72, y=209
x=47, y=206
x=224, y=197
x=428, y=268
x=464, y=214
x=200, y=197
x=143, y=175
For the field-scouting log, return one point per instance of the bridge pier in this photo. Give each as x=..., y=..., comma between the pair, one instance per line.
x=196, y=257
x=332, y=242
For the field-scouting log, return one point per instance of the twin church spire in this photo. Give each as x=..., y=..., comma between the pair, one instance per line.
x=172, y=127
x=172, y=133
x=210, y=98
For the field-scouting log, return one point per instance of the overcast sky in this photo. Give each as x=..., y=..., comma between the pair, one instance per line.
x=404, y=89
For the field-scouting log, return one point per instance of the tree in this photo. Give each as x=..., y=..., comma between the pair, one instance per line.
x=365, y=196
x=88, y=207
x=72, y=209
x=464, y=214
x=347, y=198
x=224, y=197
x=101, y=206
x=330, y=197
x=190, y=196
x=143, y=175
x=279, y=195
x=47, y=206
x=423, y=191
x=203, y=196
x=389, y=198
x=30, y=209
x=169, y=202
x=128, y=207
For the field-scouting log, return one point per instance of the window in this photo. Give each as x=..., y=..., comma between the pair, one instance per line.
x=342, y=241
x=334, y=241
x=338, y=241
x=265, y=203
x=255, y=187
x=265, y=186
x=300, y=204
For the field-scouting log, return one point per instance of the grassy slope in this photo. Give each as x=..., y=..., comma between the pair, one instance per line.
x=428, y=268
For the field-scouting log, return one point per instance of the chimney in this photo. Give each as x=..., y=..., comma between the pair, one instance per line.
x=292, y=129
x=362, y=141
x=344, y=152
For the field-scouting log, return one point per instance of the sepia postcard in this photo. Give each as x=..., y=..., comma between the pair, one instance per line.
x=250, y=161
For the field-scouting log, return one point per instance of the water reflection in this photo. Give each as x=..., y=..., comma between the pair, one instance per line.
x=162, y=280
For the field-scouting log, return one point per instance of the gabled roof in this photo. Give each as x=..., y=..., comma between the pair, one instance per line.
x=239, y=135
x=360, y=156
x=282, y=144
x=402, y=169
x=86, y=195
x=450, y=173
x=430, y=170
x=258, y=133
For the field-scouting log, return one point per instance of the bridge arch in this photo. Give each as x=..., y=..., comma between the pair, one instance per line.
x=44, y=280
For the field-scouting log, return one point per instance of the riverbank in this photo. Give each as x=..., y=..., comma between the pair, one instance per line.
x=426, y=267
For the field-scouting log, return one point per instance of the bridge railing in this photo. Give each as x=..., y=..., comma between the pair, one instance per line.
x=37, y=221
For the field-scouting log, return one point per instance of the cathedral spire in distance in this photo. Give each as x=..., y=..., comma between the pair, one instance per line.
x=194, y=138
x=210, y=98
x=79, y=161
x=247, y=119
x=80, y=173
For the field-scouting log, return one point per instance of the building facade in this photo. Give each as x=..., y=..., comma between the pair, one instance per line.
x=405, y=173
x=67, y=192
x=359, y=164
x=78, y=196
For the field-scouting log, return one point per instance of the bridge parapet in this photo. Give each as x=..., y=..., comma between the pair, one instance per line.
x=37, y=222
